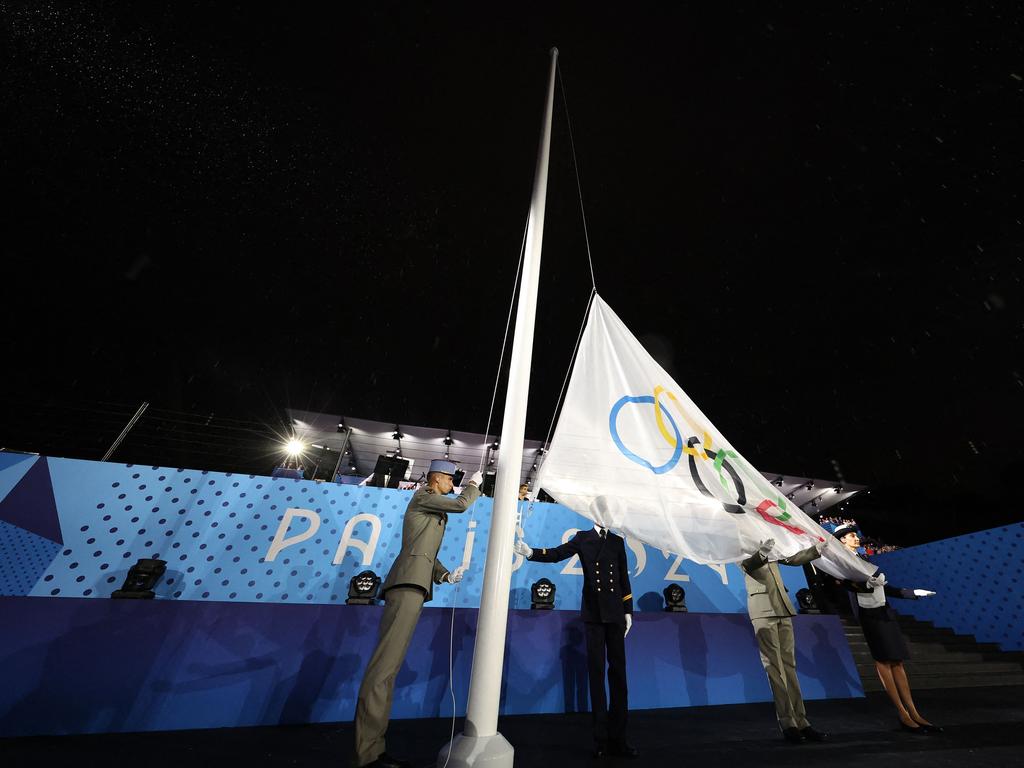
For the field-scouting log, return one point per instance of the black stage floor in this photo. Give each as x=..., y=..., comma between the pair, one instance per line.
x=984, y=727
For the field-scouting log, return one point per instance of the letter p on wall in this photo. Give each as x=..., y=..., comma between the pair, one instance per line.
x=282, y=540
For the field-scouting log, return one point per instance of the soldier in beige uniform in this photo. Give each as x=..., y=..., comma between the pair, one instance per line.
x=408, y=586
x=770, y=610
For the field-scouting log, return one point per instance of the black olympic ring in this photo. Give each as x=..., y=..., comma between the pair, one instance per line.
x=741, y=494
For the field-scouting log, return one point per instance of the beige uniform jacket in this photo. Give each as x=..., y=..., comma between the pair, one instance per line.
x=422, y=530
x=766, y=593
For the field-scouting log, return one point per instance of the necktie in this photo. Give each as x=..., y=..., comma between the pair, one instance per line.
x=604, y=532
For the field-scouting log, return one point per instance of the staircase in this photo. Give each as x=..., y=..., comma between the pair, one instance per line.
x=939, y=658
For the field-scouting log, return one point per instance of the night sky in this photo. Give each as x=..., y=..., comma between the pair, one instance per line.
x=811, y=214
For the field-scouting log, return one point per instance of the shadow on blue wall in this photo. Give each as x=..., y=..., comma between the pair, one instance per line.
x=92, y=666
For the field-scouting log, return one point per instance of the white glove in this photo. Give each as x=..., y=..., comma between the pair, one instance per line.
x=821, y=546
x=477, y=479
x=522, y=548
x=766, y=546
x=454, y=577
x=923, y=593
x=629, y=623
x=878, y=580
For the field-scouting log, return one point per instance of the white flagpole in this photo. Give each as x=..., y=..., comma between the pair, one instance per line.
x=480, y=744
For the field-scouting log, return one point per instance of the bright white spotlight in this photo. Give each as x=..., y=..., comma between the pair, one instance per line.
x=294, y=447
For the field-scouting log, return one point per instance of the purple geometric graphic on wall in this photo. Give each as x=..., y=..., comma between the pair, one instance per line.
x=30, y=505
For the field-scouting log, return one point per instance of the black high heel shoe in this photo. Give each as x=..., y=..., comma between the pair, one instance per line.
x=920, y=730
x=931, y=728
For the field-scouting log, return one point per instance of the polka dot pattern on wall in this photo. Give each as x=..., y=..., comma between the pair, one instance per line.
x=24, y=558
x=215, y=531
x=978, y=580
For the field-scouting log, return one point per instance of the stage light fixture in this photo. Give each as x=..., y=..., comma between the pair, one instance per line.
x=495, y=445
x=362, y=589
x=806, y=602
x=542, y=595
x=778, y=481
x=294, y=447
x=448, y=439
x=397, y=434
x=141, y=578
x=675, y=598
x=810, y=485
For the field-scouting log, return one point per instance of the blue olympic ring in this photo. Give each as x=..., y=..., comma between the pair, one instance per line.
x=613, y=418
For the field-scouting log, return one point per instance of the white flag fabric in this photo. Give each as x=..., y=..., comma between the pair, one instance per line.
x=633, y=453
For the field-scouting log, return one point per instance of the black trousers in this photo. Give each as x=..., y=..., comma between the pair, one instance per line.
x=606, y=642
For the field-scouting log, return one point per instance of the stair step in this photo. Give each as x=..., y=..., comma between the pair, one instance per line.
x=963, y=669
x=938, y=654
x=965, y=681
x=925, y=683
x=935, y=637
x=940, y=658
x=956, y=645
x=953, y=668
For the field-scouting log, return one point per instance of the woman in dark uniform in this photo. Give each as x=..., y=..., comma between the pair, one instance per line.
x=888, y=648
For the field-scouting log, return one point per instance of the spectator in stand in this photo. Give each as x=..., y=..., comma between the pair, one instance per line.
x=885, y=641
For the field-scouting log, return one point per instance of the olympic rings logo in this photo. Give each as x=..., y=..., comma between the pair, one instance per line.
x=695, y=449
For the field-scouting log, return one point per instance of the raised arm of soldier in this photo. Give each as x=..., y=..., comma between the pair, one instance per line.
x=441, y=484
x=760, y=558
x=436, y=502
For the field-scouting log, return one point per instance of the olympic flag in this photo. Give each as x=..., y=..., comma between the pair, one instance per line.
x=633, y=453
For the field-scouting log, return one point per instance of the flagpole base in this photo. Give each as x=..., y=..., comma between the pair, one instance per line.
x=476, y=752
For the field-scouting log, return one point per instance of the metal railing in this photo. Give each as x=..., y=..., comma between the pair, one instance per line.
x=151, y=435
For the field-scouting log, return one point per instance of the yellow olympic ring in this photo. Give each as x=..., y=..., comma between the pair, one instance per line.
x=669, y=437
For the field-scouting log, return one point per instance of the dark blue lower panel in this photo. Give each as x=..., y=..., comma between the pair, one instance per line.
x=88, y=666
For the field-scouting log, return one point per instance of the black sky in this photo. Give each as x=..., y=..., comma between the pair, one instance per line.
x=811, y=213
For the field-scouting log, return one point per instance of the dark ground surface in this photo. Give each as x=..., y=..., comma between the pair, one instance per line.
x=983, y=727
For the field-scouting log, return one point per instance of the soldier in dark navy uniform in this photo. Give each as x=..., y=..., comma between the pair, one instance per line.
x=607, y=613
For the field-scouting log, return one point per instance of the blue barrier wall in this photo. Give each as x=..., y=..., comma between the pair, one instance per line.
x=90, y=666
x=71, y=528
x=978, y=578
